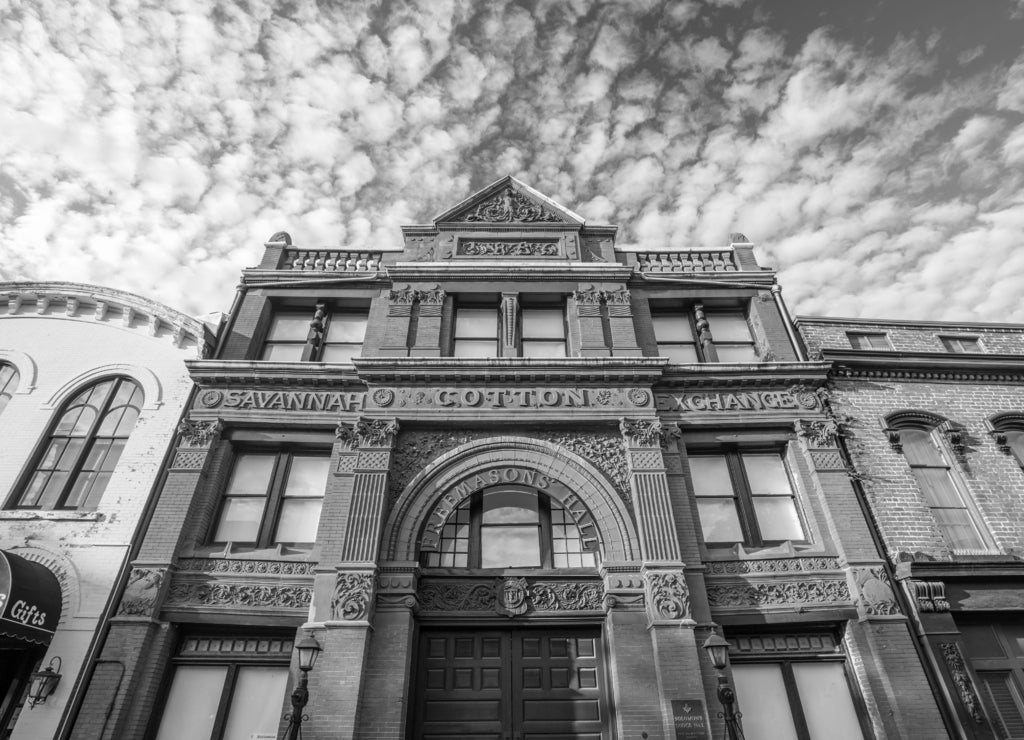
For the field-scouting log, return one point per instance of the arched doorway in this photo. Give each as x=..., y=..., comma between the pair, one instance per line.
x=510, y=622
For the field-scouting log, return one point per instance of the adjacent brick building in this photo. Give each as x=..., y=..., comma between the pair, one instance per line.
x=510, y=477
x=92, y=386
x=932, y=415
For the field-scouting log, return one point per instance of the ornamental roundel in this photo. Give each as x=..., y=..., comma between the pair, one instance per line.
x=384, y=397
x=639, y=397
x=211, y=398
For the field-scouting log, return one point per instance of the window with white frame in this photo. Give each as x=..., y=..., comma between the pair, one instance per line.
x=677, y=331
x=9, y=378
x=323, y=334
x=868, y=340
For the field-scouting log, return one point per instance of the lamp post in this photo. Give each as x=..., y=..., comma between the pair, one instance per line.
x=308, y=649
x=718, y=651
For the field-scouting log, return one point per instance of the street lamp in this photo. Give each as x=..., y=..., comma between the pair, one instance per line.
x=308, y=649
x=718, y=651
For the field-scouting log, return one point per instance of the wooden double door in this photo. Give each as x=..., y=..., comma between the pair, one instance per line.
x=524, y=684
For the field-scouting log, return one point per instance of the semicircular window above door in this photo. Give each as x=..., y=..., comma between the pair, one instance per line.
x=512, y=527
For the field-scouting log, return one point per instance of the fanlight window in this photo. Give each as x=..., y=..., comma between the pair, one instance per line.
x=512, y=528
x=84, y=446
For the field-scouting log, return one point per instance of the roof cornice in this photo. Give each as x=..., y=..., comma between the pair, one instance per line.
x=717, y=375
x=82, y=301
x=924, y=365
x=907, y=324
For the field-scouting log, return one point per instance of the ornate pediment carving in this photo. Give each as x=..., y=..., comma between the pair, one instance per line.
x=508, y=205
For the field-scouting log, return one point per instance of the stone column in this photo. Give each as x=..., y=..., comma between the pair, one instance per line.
x=345, y=593
x=676, y=655
x=591, y=325
x=620, y=323
x=428, y=324
x=400, y=305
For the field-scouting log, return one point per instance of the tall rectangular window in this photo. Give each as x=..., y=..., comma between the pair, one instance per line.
x=226, y=689
x=476, y=331
x=795, y=700
x=273, y=498
x=323, y=334
x=677, y=333
x=941, y=490
x=868, y=340
x=744, y=496
x=543, y=332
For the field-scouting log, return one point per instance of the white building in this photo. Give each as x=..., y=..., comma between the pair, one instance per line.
x=92, y=386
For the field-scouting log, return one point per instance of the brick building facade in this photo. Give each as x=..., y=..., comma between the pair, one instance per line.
x=932, y=415
x=92, y=385
x=510, y=477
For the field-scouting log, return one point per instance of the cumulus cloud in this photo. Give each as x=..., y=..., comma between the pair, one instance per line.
x=154, y=147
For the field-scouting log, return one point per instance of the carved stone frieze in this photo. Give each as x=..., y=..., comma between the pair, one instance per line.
x=376, y=432
x=776, y=593
x=641, y=432
x=930, y=596
x=508, y=206
x=510, y=596
x=962, y=680
x=781, y=565
x=353, y=594
x=509, y=248
x=253, y=567
x=199, y=433
x=206, y=593
x=668, y=596
x=140, y=595
x=874, y=592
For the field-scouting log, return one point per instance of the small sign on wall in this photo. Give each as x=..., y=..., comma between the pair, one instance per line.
x=689, y=719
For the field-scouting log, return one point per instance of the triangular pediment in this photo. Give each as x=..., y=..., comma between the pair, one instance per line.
x=509, y=201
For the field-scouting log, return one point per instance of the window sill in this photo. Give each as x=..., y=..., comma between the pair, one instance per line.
x=739, y=551
x=244, y=552
x=34, y=515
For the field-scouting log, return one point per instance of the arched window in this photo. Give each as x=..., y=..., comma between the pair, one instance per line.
x=1008, y=431
x=82, y=450
x=8, y=383
x=512, y=527
x=943, y=490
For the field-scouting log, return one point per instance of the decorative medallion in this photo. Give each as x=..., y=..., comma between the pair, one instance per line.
x=511, y=594
x=509, y=206
x=383, y=397
x=638, y=397
x=211, y=398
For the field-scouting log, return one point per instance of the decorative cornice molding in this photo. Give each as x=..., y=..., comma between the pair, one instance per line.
x=292, y=375
x=924, y=365
x=574, y=370
x=460, y=270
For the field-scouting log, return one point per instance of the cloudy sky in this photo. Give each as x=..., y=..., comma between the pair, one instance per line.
x=873, y=150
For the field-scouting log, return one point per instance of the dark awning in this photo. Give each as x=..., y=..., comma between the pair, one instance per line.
x=29, y=599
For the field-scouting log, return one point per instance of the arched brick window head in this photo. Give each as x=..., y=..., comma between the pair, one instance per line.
x=914, y=434
x=1007, y=430
x=83, y=448
x=8, y=384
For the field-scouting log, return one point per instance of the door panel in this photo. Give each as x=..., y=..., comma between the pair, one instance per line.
x=509, y=685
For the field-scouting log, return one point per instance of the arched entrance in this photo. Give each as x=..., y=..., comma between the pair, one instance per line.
x=510, y=535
